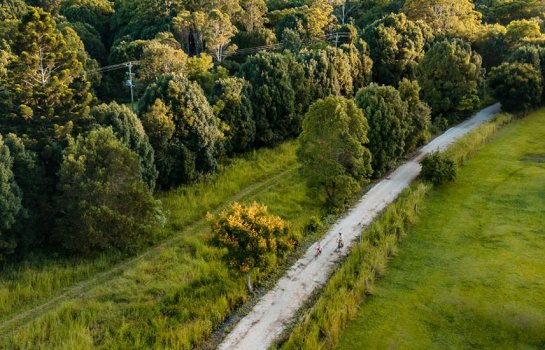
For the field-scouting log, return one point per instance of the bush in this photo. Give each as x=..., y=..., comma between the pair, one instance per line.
x=438, y=169
x=314, y=224
x=252, y=236
x=517, y=86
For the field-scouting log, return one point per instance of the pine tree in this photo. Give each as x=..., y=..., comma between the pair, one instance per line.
x=50, y=94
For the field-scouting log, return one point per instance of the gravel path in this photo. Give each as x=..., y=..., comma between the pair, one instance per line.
x=267, y=319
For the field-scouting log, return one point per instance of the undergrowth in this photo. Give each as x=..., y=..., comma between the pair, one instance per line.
x=39, y=278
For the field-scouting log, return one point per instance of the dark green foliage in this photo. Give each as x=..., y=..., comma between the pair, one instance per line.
x=10, y=201
x=389, y=125
x=235, y=111
x=95, y=13
x=129, y=130
x=517, y=86
x=32, y=229
x=195, y=143
x=334, y=71
x=48, y=105
x=396, y=45
x=123, y=50
x=92, y=41
x=450, y=75
x=333, y=154
x=419, y=115
x=158, y=124
x=12, y=9
x=255, y=38
x=103, y=202
x=438, y=169
x=328, y=72
x=50, y=6
x=533, y=55
x=272, y=97
x=492, y=45
x=370, y=11
x=504, y=12
x=140, y=19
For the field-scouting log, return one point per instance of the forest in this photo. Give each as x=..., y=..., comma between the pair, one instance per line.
x=106, y=106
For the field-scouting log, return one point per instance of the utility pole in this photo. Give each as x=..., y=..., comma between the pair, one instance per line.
x=130, y=83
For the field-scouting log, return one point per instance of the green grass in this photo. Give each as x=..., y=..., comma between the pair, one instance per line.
x=177, y=296
x=339, y=301
x=472, y=272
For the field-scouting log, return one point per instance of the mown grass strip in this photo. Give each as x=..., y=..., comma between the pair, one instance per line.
x=321, y=326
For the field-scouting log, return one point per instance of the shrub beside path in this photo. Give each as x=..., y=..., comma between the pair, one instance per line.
x=273, y=312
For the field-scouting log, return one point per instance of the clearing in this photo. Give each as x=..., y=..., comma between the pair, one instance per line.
x=471, y=273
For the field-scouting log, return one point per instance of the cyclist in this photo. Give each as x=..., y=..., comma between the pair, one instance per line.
x=340, y=242
x=318, y=250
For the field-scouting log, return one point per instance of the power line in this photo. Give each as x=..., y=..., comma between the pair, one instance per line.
x=247, y=50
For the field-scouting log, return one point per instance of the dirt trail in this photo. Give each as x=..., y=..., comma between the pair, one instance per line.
x=79, y=289
x=267, y=319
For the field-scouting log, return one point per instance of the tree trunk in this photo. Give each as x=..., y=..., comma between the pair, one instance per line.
x=249, y=282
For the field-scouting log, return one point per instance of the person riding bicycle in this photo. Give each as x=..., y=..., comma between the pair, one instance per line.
x=340, y=242
x=318, y=250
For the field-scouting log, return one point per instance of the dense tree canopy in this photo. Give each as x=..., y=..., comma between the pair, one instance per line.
x=521, y=29
x=506, y=11
x=195, y=142
x=272, y=97
x=419, y=115
x=396, y=44
x=10, y=200
x=454, y=18
x=129, y=130
x=47, y=92
x=389, y=125
x=332, y=150
x=492, y=45
x=96, y=171
x=450, y=75
x=32, y=228
x=517, y=86
x=235, y=111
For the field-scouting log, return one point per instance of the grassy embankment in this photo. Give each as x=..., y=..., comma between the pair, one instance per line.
x=175, y=294
x=472, y=275
x=349, y=287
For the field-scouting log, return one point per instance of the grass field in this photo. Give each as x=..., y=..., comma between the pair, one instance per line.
x=175, y=296
x=472, y=272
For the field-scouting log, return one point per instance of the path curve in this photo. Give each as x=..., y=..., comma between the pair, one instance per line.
x=272, y=313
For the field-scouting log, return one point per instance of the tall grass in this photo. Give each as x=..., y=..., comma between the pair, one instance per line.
x=173, y=299
x=37, y=279
x=465, y=147
x=349, y=286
